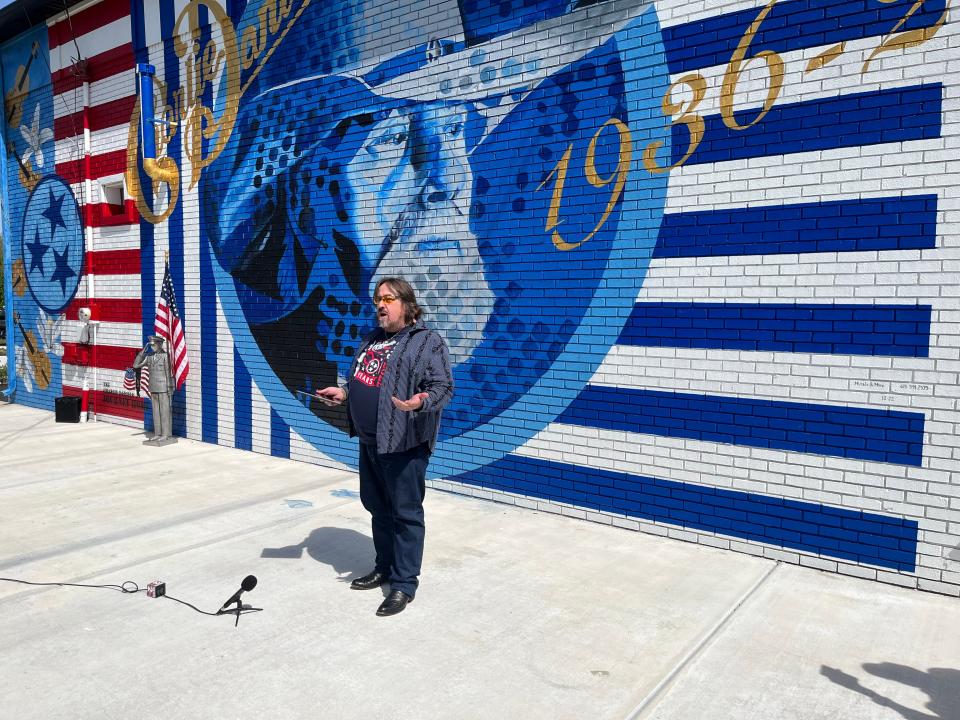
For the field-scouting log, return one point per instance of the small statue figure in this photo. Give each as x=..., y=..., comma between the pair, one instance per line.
x=161, y=388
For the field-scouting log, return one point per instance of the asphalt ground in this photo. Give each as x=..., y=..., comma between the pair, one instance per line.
x=519, y=613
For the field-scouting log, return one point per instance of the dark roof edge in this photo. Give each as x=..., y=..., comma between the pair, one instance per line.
x=23, y=15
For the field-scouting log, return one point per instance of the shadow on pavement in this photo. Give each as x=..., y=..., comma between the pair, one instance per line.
x=346, y=551
x=942, y=686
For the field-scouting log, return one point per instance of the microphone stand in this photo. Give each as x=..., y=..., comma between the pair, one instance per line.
x=240, y=607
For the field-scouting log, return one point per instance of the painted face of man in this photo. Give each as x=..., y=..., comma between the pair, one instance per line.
x=390, y=308
x=414, y=174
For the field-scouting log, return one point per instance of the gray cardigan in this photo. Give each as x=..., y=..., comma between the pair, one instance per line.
x=419, y=363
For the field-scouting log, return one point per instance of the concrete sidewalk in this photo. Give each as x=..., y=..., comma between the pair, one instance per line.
x=519, y=614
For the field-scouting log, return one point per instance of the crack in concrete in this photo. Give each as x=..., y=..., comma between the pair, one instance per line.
x=646, y=703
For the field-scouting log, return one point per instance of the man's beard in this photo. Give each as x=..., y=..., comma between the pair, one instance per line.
x=449, y=280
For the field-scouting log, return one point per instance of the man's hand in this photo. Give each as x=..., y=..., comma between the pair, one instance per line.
x=332, y=395
x=414, y=403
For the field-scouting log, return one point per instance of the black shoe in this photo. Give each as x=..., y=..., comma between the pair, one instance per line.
x=396, y=601
x=369, y=582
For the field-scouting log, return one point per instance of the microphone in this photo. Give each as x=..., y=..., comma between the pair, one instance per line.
x=249, y=583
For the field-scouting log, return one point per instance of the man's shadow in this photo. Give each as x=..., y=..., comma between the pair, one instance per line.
x=348, y=552
x=942, y=686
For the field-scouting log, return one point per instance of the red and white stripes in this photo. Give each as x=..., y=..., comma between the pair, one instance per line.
x=94, y=91
x=167, y=325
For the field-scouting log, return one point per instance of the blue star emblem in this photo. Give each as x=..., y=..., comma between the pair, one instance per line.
x=51, y=221
x=54, y=212
x=63, y=270
x=37, y=252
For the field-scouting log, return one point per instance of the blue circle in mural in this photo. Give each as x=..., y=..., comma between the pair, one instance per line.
x=523, y=218
x=52, y=244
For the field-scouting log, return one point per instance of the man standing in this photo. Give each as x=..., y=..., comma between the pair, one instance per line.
x=399, y=383
x=161, y=387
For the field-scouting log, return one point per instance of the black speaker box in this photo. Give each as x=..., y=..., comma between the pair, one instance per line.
x=67, y=409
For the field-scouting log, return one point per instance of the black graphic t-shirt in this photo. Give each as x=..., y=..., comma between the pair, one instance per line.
x=363, y=393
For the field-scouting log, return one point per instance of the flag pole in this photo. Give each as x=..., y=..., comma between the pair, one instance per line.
x=172, y=332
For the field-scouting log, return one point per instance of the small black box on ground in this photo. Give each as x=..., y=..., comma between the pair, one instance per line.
x=67, y=409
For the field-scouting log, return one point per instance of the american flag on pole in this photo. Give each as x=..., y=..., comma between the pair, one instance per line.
x=168, y=326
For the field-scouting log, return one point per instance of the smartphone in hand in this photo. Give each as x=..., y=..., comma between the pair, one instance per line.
x=331, y=396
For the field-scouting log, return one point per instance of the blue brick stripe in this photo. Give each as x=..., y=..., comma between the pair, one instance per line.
x=242, y=404
x=892, y=330
x=148, y=289
x=279, y=435
x=792, y=25
x=879, y=540
x=852, y=432
x=175, y=226
x=850, y=120
x=209, y=350
x=890, y=223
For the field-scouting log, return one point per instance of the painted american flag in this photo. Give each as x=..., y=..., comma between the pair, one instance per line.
x=96, y=99
x=167, y=325
x=130, y=380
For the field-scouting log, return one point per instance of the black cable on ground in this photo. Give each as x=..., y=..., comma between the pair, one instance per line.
x=119, y=588
x=129, y=587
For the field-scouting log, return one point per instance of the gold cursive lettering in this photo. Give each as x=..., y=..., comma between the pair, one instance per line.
x=204, y=107
x=559, y=172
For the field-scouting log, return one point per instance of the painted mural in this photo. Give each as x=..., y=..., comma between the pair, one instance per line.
x=323, y=166
x=44, y=218
x=690, y=261
x=512, y=160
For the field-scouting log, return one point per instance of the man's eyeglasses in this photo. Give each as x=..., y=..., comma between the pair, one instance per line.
x=388, y=299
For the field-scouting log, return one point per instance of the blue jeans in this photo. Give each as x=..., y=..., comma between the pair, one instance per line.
x=392, y=487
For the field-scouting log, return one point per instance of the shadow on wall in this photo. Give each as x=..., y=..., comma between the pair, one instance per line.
x=346, y=551
x=942, y=686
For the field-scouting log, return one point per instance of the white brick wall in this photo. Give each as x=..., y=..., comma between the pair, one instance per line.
x=927, y=494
